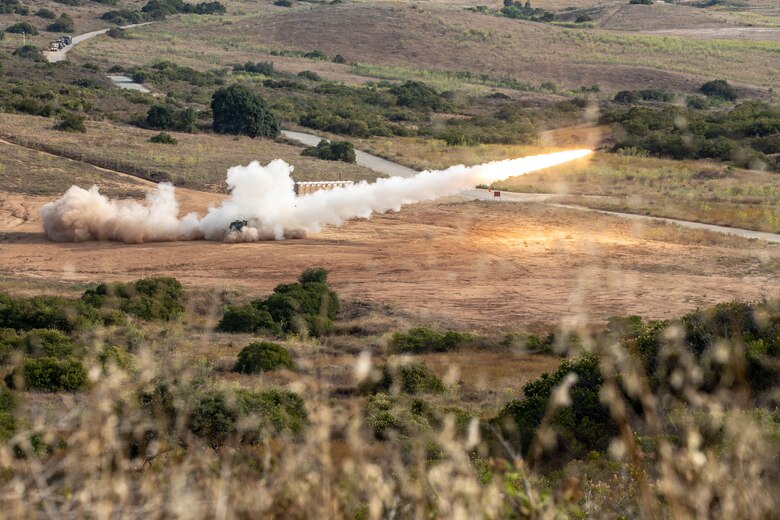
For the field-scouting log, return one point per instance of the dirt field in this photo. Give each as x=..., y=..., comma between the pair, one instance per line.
x=477, y=265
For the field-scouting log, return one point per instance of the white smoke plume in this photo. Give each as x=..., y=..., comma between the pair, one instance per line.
x=264, y=197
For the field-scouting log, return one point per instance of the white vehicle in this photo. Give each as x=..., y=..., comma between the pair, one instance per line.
x=55, y=46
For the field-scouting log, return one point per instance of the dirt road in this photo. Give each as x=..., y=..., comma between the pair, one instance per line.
x=62, y=55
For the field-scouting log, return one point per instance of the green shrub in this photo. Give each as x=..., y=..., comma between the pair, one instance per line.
x=41, y=312
x=236, y=110
x=117, y=356
x=265, y=68
x=283, y=3
x=13, y=7
x=583, y=426
x=417, y=378
x=246, y=318
x=125, y=17
x=8, y=405
x=29, y=52
x=50, y=374
x=63, y=24
x=46, y=14
x=163, y=138
x=422, y=339
x=157, y=298
x=311, y=76
x=212, y=419
x=415, y=94
x=71, y=122
x=332, y=151
x=307, y=307
x=22, y=28
x=313, y=275
x=118, y=33
x=386, y=418
x=248, y=416
x=640, y=2
x=269, y=412
x=263, y=357
x=719, y=88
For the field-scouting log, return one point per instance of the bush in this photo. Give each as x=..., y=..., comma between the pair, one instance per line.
x=248, y=416
x=71, y=122
x=239, y=111
x=50, y=375
x=46, y=14
x=417, y=378
x=163, y=138
x=35, y=343
x=160, y=116
x=46, y=312
x=74, y=3
x=640, y=2
x=415, y=94
x=582, y=426
x=313, y=275
x=63, y=24
x=212, y=419
x=124, y=17
x=8, y=405
x=157, y=298
x=422, y=339
x=29, y=52
x=13, y=7
x=22, y=28
x=307, y=307
x=719, y=88
x=261, y=67
x=263, y=357
x=118, y=33
x=283, y=3
x=311, y=76
x=332, y=151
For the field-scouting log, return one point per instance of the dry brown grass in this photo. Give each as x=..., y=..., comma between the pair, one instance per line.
x=198, y=160
x=29, y=171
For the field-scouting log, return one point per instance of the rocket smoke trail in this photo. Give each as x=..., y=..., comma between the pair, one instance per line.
x=264, y=197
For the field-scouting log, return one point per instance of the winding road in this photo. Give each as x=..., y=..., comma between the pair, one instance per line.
x=392, y=169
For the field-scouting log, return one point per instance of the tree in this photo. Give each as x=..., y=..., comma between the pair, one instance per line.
x=22, y=28
x=719, y=88
x=63, y=24
x=160, y=117
x=239, y=111
x=263, y=356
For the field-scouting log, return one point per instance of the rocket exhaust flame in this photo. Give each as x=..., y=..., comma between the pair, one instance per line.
x=264, y=197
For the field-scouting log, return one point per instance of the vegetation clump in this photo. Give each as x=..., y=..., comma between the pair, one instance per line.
x=163, y=138
x=263, y=356
x=49, y=374
x=417, y=378
x=22, y=28
x=719, y=88
x=265, y=68
x=46, y=14
x=332, y=151
x=742, y=134
x=46, y=312
x=166, y=117
x=13, y=7
x=63, y=24
x=157, y=298
x=247, y=416
x=71, y=122
x=419, y=340
x=237, y=110
x=306, y=307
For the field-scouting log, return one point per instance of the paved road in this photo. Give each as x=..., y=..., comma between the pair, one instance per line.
x=127, y=83
x=372, y=162
x=386, y=167
x=62, y=54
